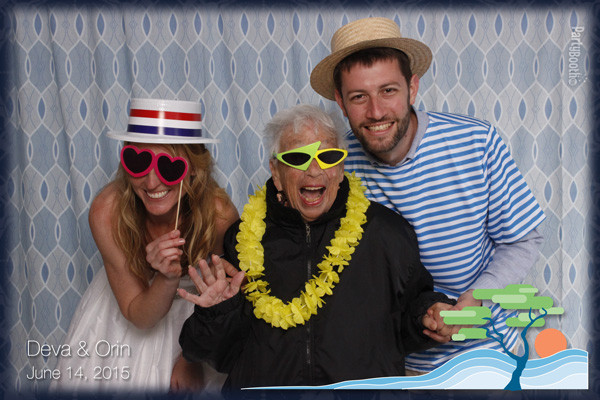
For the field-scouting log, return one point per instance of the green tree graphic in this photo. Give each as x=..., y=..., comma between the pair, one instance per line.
x=512, y=297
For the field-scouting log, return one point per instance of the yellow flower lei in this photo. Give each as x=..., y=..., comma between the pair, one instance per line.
x=251, y=256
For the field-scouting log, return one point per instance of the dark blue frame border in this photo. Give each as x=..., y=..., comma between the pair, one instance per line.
x=7, y=392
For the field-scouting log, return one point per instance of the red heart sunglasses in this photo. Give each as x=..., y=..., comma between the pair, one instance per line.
x=139, y=162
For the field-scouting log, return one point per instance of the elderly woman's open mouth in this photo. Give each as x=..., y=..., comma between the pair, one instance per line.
x=312, y=194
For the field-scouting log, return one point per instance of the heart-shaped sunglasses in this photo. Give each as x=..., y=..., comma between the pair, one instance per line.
x=139, y=162
x=301, y=157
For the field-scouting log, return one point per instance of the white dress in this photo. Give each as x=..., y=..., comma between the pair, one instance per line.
x=108, y=353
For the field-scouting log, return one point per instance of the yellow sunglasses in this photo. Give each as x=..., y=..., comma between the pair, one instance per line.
x=301, y=157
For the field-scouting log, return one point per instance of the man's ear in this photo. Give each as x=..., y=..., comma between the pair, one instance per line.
x=413, y=88
x=338, y=99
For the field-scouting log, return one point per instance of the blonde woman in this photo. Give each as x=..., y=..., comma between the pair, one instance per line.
x=163, y=212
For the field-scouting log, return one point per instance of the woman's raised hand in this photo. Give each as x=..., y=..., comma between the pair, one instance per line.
x=215, y=283
x=164, y=254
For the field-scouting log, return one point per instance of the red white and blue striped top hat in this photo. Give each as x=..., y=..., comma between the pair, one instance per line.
x=164, y=121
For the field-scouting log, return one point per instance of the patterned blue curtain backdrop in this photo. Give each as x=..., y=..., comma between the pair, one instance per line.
x=73, y=69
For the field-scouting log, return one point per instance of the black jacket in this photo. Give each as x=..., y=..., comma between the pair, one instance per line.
x=363, y=330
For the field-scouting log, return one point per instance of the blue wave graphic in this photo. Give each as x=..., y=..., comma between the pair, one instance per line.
x=482, y=369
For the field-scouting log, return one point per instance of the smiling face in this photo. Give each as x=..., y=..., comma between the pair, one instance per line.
x=311, y=192
x=159, y=199
x=377, y=102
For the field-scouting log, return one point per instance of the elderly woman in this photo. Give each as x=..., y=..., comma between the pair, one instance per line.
x=335, y=289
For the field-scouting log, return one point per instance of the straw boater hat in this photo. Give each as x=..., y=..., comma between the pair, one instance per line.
x=363, y=34
x=163, y=121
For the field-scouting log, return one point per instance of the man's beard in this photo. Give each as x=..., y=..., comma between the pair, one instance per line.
x=386, y=145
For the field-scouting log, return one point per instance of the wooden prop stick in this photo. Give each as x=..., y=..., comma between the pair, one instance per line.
x=178, y=204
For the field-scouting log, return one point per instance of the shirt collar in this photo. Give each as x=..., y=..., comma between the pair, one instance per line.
x=422, y=124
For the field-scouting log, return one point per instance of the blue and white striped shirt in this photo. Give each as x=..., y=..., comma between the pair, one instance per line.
x=462, y=192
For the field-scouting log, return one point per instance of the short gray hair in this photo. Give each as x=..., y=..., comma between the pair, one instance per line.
x=299, y=117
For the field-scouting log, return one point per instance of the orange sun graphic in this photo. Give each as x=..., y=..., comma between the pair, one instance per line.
x=550, y=341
